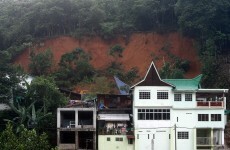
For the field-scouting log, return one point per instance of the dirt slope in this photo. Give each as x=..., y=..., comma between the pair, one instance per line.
x=140, y=50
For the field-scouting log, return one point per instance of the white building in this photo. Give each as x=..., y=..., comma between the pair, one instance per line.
x=177, y=114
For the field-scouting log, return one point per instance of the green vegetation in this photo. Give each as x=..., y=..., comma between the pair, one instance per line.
x=74, y=67
x=24, y=140
x=26, y=21
x=207, y=22
x=174, y=70
x=116, y=50
x=41, y=63
x=34, y=19
x=116, y=69
x=102, y=86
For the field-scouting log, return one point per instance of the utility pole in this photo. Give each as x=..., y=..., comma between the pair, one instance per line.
x=175, y=136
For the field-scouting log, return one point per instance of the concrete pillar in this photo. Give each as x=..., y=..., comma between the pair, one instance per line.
x=222, y=137
x=194, y=139
x=172, y=139
x=94, y=140
x=76, y=140
x=58, y=137
x=212, y=144
x=94, y=117
x=76, y=118
x=58, y=118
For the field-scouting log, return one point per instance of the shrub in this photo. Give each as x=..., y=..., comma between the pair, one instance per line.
x=116, y=49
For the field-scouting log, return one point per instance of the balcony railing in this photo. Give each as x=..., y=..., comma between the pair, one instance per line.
x=206, y=141
x=219, y=104
x=115, y=131
x=203, y=141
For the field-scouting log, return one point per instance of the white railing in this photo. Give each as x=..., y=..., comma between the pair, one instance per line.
x=211, y=104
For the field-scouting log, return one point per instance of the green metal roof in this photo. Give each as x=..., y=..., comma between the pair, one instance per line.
x=185, y=84
x=227, y=112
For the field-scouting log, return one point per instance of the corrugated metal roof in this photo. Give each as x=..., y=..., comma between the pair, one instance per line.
x=185, y=84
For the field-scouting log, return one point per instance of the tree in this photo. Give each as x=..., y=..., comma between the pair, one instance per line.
x=171, y=72
x=41, y=63
x=44, y=91
x=8, y=76
x=24, y=140
x=74, y=67
x=101, y=86
x=35, y=103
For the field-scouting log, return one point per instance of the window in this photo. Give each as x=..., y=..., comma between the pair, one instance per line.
x=188, y=97
x=144, y=95
x=141, y=114
x=153, y=114
x=162, y=95
x=177, y=97
x=119, y=139
x=182, y=135
x=215, y=117
x=108, y=138
x=203, y=117
x=130, y=141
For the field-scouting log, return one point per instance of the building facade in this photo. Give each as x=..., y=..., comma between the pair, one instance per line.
x=114, y=122
x=177, y=114
x=76, y=126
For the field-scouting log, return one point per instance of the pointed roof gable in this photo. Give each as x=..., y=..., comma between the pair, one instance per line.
x=152, y=78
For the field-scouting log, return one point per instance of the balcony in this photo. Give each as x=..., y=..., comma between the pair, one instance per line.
x=210, y=104
x=115, y=131
x=207, y=141
x=203, y=141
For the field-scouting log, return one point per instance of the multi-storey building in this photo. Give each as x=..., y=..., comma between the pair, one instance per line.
x=76, y=126
x=177, y=114
x=114, y=127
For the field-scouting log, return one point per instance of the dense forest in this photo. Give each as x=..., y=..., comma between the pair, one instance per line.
x=24, y=22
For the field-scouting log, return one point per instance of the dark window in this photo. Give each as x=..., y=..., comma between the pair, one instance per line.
x=182, y=135
x=144, y=95
x=119, y=139
x=153, y=114
x=162, y=95
x=130, y=141
x=188, y=97
x=177, y=97
x=141, y=114
x=215, y=117
x=203, y=117
x=108, y=138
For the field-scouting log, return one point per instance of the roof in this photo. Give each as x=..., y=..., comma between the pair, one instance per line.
x=114, y=117
x=123, y=87
x=185, y=84
x=212, y=91
x=152, y=78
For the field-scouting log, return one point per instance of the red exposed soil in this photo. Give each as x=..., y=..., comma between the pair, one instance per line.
x=140, y=50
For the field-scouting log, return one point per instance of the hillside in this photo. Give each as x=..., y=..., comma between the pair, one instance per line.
x=140, y=50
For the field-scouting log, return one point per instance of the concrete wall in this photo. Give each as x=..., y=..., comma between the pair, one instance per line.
x=189, y=118
x=153, y=101
x=103, y=144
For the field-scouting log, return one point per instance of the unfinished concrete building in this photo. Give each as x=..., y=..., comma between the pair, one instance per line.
x=76, y=126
